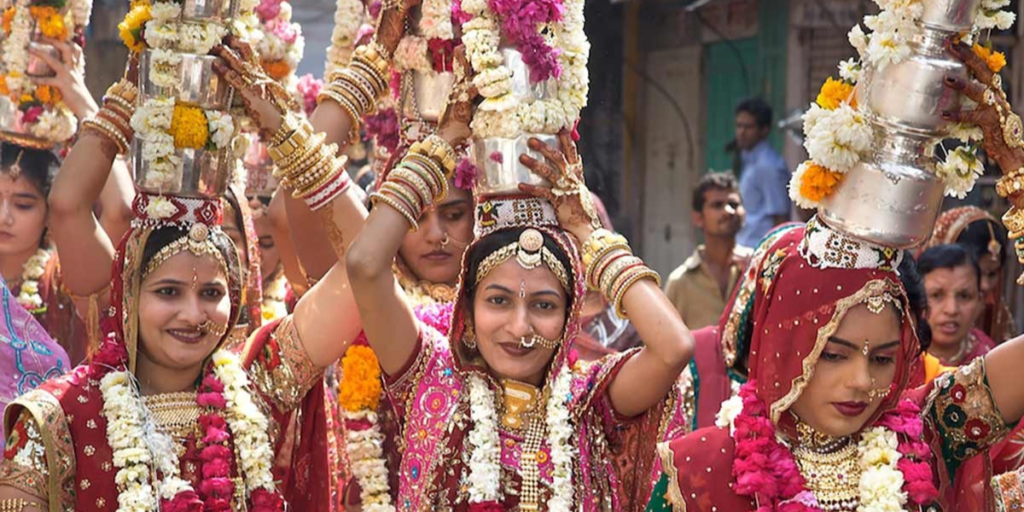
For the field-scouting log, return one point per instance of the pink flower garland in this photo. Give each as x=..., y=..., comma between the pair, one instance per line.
x=383, y=128
x=520, y=21
x=767, y=471
x=309, y=88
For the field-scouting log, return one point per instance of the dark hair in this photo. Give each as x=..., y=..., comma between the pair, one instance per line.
x=759, y=109
x=948, y=256
x=977, y=236
x=496, y=241
x=39, y=166
x=917, y=297
x=164, y=236
x=711, y=181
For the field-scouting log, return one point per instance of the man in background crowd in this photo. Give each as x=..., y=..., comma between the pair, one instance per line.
x=764, y=176
x=702, y=285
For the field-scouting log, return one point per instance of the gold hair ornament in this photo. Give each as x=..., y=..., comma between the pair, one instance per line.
x=530, y=253
x=876, y=303
x=197, y=241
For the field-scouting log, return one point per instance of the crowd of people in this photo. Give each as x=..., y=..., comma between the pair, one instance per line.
x=409, y=342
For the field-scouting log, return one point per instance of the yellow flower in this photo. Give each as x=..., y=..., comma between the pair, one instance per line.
x=8, y=19
x=189, y=127
x=51, y=23
x=27, y=98
x=131, y=27
x=359, y=388
x=996, y=61
x=834, y=93
x=819, y=182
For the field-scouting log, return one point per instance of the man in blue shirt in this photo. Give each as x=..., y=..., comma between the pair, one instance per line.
x=764, y=175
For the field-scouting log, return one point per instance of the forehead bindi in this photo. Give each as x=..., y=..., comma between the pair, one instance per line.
x=512, y=276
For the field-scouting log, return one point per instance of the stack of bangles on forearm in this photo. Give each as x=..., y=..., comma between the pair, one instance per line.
x=611, y=267
x=305, y=164
x=113, y=121
x=419, y=180
x=358, y=87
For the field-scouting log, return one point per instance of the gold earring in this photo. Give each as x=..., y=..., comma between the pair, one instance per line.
x=469, y=336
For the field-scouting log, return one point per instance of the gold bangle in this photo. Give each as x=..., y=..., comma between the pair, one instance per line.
x=436, y=172
x=324, y=171
x=646, y=273
x=592, y=265
x=437, y=149
x=424, y=170
x=297, y=138
x=109, y=131
x=378, y=197
x=380, y=83
x=404, y=192
x=608, y=276
x=352, y=93
x=414, y=179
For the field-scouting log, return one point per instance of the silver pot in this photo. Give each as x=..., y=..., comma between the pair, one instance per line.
x=209, y=10
x=202, y=173
x=198, y=84
x=259, y=169
x=498, y=163
x=949, y=15
x=37, y=67
x=424, y=94
x=891, y=198
x=911, y=95
x=13, y=130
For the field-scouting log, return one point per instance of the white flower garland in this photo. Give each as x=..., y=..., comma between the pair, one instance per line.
x=836, y=138
x=413, y=53
x=249, y=426
x=32, y=271
x=15, y=47
x=129, y=429
x=881, y=481
x=485, y=457
x=366, y=457
x=348, y=17
x=501, y=114
x=960, y=170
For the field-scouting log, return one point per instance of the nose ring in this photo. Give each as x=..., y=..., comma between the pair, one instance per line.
x=445, y=241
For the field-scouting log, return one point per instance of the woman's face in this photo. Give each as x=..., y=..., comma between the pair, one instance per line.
x=510, y=304
x=270, y=257
x=991, y=273
x=182, y=305
x=858, y=359
x=234, y=231
x=953, y=304
x=22, y=215
x=434, y=252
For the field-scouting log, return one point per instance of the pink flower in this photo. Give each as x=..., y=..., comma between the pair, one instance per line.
x=216, y=468
x=917, y=449
x=268, y=9
x=442, y=52
x=384, y=129
x=375, y=8
x=215, y=400
x=904, y=419
x=212, y=384
x=215, y=451
x=32, y=114
x=309, y=87
x=497, y=157
x=185, y=501
x=111, y=355
x=520, y=23
x=217, y=488
x=919, y=485
x=287, y=32
x=487, y=506
x=458, y=15
x=266, y=501
x=364, y=35
x=466, y=174
x=438, y=316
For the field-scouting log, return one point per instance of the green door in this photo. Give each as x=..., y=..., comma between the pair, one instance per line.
x=727, y=82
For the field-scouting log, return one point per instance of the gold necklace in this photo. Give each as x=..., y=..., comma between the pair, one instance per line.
x=175, y=414
x=831, y=467
x=519, y=402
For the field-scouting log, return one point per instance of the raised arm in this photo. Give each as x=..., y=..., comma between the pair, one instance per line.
x=282, y=233
x=647, y=377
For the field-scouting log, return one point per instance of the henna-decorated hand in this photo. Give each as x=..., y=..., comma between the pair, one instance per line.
x=69, y=76
x=266, y=100
x=994, y=114
x=392, y=22
x=453, y=124
x=568, y=193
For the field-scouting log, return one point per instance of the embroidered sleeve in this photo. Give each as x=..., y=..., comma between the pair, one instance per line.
x=401, y=387
x=965, y=414
x=24, y=463
x=282, y=370
x=1008, y=492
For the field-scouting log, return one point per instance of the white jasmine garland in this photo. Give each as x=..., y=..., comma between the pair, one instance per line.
x=163, y=67
x=836, y=139
x=881, y=481
x=367, y=462
x=348, y=16
x=165, y=11
x=413, y=54
x=222, y=128
x=57, y=124
x=560, y=433
x=485, y=457
x=31, y=272
x=960, y=170
x=964, y=132
x=850, y=70
x=15, y=48
x=728, y=412
x=248, y=424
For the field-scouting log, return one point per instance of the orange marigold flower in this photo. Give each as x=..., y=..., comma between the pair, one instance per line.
x=360, y=387
x=8, y=19
x=996, y=61
x=277, y=69
x=48, y=95
x=834, y=93
x=819, y=182
x=4, y=90
x=51, y=22
x=189, y=127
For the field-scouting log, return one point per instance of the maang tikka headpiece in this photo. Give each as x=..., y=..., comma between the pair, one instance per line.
x=529, y=252
x=197, y=241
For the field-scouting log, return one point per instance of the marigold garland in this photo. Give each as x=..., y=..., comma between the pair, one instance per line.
x=819, y=182
x=189, y=127
x=8, y=19
x=995, y=61
x=130, y=27
x=47, y=94
x=51, y=23
x=277, y=69
x=834, y=93
x=360, y=388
